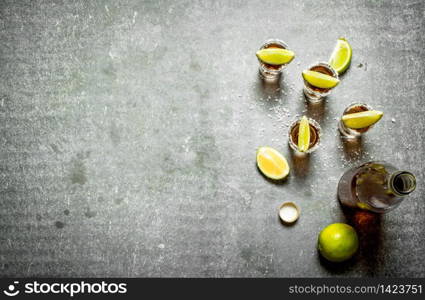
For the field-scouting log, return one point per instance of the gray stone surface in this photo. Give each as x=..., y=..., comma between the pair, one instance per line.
x=129, y=130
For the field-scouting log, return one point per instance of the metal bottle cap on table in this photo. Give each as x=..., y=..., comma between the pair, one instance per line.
x=289, y=212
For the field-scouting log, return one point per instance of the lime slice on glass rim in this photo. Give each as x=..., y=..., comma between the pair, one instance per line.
x=362, y=119
x=275, y=56
x=341, y=56
x=271, y=163
x=320, y=80
x=304, y=135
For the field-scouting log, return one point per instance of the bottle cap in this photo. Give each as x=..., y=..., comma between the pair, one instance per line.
x=289, y=212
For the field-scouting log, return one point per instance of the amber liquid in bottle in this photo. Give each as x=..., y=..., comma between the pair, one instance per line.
x=375, y=186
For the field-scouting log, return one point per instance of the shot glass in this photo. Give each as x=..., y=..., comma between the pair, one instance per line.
x=315, y=133
x=272, y=72
x=315, y=94
x=352, y=133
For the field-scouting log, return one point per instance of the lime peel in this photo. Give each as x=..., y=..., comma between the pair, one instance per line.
x=340, y=58
x=272, y=163
x=275, y=56
x=320, y=80
x=362, y=119
x=338, y=242
x=304, y=135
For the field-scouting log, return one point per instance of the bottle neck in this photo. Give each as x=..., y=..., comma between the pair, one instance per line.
x=402, y=183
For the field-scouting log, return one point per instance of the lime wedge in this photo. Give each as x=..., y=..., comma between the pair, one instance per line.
x=362, y=119
x=320, y=80
x=304, y=135
x=271, y=163
x=275, y=56
x=341, y=56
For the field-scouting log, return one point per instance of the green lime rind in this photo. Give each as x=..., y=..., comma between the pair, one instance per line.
x=320, y=80
x=338, y=242
x=275, y=56
x=341, y=56
x=304, y=135
x=362, y=119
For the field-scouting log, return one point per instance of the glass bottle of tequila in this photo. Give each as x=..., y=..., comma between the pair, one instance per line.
x=375, y=186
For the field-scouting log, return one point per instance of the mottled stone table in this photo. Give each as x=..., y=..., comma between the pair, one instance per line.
x=129, y=131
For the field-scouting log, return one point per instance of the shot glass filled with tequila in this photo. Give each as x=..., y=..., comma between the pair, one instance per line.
x=357, y=119
x=318, y=86
x=272, y=59
x=296, y=132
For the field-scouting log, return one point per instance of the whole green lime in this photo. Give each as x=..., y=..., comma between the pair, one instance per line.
x=338, y=242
